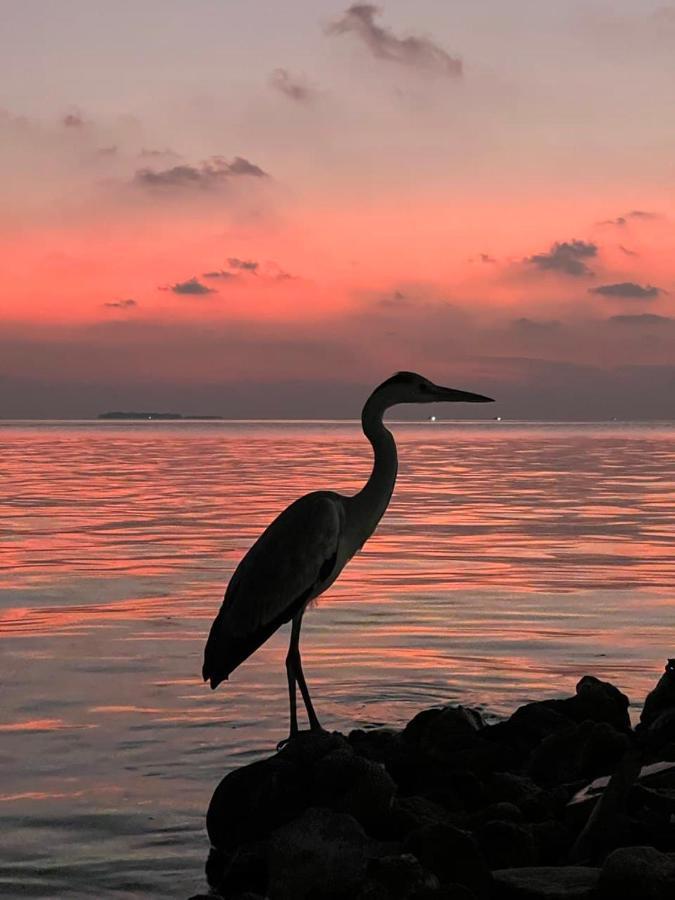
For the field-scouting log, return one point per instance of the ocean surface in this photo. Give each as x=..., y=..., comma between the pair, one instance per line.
x=514, y=558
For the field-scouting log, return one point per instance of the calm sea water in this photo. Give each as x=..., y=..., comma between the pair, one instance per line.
x=513, y=558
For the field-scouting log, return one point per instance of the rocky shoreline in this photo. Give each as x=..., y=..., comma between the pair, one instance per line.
x=562, y=800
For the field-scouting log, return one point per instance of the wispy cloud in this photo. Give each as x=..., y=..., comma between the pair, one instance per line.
x=246, y=265
x=220, y=273
x=413, y=51
x=73, y=120
x=628, y=290
x=620, y=221
x=643, y=319
x=567, y=257
x=121, y=304
x=295, y=87
x=212, y=173
x=192, y=287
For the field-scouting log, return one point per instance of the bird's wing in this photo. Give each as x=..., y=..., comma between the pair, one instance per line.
x=287, y=563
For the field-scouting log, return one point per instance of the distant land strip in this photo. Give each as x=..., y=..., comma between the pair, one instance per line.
x=151, y=415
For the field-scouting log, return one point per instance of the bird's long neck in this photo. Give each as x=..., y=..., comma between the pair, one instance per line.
x=369, y=504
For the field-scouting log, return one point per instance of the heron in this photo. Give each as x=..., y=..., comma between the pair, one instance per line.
x=303, y=551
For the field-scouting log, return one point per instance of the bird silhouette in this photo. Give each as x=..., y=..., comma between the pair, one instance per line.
x=306, y=547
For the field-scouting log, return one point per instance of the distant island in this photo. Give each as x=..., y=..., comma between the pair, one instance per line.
x=151, y=415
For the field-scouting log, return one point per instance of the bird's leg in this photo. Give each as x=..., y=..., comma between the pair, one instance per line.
x=314, y=723
x=292, y=698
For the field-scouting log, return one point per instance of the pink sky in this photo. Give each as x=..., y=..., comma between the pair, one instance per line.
x=230, y=211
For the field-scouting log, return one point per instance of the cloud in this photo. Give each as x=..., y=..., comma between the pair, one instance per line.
x=535, y=326
x=416, y=52
x=246, y=265
x=628, y=251
x=220, y=273
x=566, y=257
x=121, y=304
x=192, y=287
x=628, y=290
x=643, y=319
x=642, y=214
x=208, y=175
x=147, y=153
x=620, y=221
x=73, y=120
x=295, y=87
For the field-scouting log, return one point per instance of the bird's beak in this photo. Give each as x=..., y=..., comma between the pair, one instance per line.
x=450, y=395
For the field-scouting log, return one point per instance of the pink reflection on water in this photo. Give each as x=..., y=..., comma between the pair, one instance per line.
x=511, y=561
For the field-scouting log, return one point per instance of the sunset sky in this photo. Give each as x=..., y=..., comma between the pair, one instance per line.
x=262, y=209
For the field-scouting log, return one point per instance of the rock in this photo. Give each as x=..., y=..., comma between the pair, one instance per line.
x=495, y=812
x=660, y=735
x=546, y=883
x=452, y=855
x=608, y=826
x=308, y=747
x=524, y=730
x=243, y=869
x=531, y=800
x=638, y=873
x=252, y=801
x=455, y=789
x=553, y=840
x=600, y=701
x=386, y=746
x=440, y=733
x=403, y=876
x=320, y=854
x=409, y=813
x=507, y=844
x=349, y=783
x=662, y=697
x=584, y=751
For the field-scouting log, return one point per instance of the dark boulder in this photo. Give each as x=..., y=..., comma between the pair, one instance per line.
x=409, y=813
x=533, y=801
x=580, y=752
x=598, y=701
x=547, y=883
x=403, y=876
x=349, y=783
x=662, y=697
x=252, y=801
x=439, y=733
x=502, y=811
x=638, y=873
x=320, y=854
x=308, y=747
x=553, y=840
x=523, y=731
x=659, y=736
x=386, y=746
x=452, y=855
x=507, y=844
x=240, y=870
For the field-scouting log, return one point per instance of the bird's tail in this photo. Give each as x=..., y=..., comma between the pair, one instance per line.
x=215, y=654
x=225, y=649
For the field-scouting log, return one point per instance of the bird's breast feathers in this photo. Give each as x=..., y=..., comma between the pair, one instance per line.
x=296, y=558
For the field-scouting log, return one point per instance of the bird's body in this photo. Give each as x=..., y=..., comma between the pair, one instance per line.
x=303, y=551
x=294, y=560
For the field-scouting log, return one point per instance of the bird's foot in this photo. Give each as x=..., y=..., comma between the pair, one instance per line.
x=287, y=741
x=294, y=735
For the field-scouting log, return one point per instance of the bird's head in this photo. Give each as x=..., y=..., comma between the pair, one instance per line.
x=409, y=387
